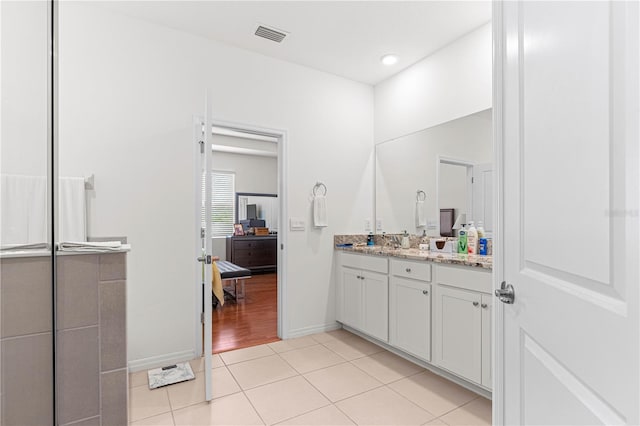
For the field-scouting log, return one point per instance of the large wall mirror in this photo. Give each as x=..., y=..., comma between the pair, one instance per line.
x=258, y=206
x=450, y=163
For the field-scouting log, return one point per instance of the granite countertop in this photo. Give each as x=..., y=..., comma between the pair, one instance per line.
x=484, y=262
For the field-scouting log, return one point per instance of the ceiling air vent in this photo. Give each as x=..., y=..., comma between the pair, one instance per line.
x=270, y=33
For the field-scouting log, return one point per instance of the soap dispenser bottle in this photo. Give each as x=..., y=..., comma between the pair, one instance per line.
x=405, y=241
x=472, y=239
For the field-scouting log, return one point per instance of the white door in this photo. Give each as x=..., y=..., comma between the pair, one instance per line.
x=567, y=109
x=203, y=222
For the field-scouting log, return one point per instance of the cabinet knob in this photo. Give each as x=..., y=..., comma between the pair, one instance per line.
x=358, y=276
x=408, y=269
x=475, y=303
x=425, y=291
x=484, y=305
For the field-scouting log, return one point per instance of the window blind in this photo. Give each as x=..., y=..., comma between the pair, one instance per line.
x=222, y=203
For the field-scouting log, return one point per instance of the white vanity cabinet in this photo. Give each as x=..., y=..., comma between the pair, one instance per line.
x=462, y=323
x=410, y=307
x=363, y=294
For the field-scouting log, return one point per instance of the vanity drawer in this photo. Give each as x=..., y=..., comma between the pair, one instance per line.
x=469, y=278
x=408, y=269
x=366, y=262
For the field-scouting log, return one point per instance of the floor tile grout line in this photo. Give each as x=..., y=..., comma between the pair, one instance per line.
x=402, y=396
x=254, y=407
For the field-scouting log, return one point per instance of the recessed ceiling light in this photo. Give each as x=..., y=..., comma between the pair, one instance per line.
x=389, y=59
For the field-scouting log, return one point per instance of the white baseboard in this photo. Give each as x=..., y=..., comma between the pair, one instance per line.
x=313, y=330
x=160, y=360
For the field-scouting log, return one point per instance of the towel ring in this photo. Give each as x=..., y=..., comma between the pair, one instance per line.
x=420, y=195
x=319, y=185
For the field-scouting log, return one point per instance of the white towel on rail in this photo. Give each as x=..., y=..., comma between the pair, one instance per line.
x=421, y=217
x=73, y=217
x=320, y=211
x=23, y=210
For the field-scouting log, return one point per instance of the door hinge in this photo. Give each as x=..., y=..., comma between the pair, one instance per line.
x=201, y=232
x=201, y=147
x=281, y=246
x=202, y=317
x=473, y=180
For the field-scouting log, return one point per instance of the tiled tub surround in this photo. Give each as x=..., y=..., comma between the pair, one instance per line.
x=91, y=339
x=413, y=253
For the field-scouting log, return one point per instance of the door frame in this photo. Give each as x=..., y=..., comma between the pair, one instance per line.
x=498, y=214
x=282, y=142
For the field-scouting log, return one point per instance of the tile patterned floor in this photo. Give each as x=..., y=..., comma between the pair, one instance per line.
x=333, y=378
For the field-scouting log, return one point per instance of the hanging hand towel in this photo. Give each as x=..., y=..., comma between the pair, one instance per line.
x=421, y=217
x=320, y=211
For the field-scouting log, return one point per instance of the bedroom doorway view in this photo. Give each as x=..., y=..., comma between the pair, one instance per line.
x=245, y=223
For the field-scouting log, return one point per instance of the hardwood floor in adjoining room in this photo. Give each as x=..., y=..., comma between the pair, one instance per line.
x=251, y=321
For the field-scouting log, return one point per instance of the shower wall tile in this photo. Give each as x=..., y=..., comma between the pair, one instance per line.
x=114, y=398
x=77, y=294
x=27, y=380
x=78, y=374
x=26, y=295
x=113, y=267
x=113, y=326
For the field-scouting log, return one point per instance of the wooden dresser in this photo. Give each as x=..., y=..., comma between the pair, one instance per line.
x=257, y=253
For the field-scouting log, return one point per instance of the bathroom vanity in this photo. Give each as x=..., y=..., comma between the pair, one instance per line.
x=432, y=308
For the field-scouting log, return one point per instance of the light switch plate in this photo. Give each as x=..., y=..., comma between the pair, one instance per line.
x=378, y=224
x=296, y=224
x=367, y=225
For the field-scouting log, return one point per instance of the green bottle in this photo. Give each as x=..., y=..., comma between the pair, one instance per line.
x=462, y=240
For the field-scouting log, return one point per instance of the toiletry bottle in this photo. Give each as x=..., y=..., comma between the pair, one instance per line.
x=480, y=230
x=405, y=241
x=472, y=239
x=370, y=239
x=462, y=240
x=482, y=246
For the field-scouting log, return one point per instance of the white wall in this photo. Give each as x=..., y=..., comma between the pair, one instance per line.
x=453, y=82
x=128, y=93
x=24, y=57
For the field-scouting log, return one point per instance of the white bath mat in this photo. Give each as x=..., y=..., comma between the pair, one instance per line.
x=170, y=375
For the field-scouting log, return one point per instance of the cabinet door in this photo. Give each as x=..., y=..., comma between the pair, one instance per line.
x=352, y=298
x=376, y=305
x=458, y=332
x=486, y=340
x=410, y=316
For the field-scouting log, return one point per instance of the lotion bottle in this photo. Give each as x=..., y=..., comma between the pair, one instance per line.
x=472, y=239
x=480, y=229
x=462, y=240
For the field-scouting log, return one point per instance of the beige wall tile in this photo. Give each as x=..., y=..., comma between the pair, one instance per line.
x=113, y=325
x=77, y=291
x=78, y=374
x=114, y=398
x=27, y=380
x=113, y=267
x=26, y=296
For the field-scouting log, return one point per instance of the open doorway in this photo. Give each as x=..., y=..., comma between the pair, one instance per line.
x=246, y=216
